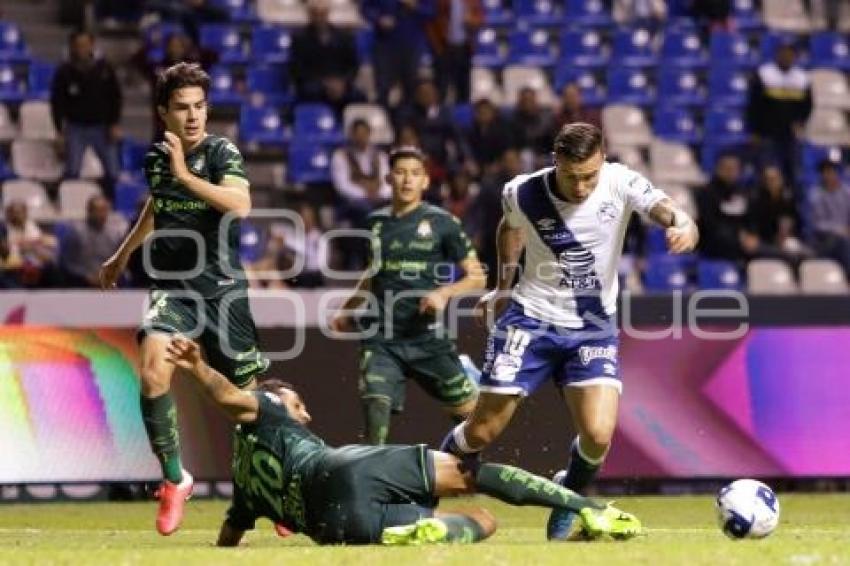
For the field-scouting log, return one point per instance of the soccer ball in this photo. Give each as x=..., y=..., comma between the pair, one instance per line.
x=747, y=509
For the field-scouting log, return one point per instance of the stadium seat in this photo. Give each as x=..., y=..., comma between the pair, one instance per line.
x=588, y=13
x=813, y=155
x=489, y=50
x=517, y=77
x=309, y=163
x=630, y=156
x=727, y=86
x=682, y=47
x=132, y=156
x=536, y=12
x=830, y=89
x=770, y=277
x=718, y=274
x=531, y=47
x=40, y=77
x=675, y=124
x=155, y=37
x=36, y=121
x=682, y=196
x=771, y=40
x=828, y=126
x=582, y=48
x=225, y=40
x=672, y=162
x=31, y=192
x=711, y=151
x=665, y=273
x=5, y=169
x=271, y=44
x=223, y=90
x=822, y=277
x=376, y=115
x=269, y=84
x=496, y=14
x=251, y=242
x=262, y=125
x=13, y=49
x=462, y=115
x=8, y=129
x=36, y=159
x=74, y=195
x=730, y=48
x=629, y=86
x=632, y=47
x=592, y=92
x=129, y=193
x=656, y=240
x=484, y=85
x=625, y=125
x=292, y=13
x=746, y=15
x=317, y=123
x=829, y=50
x=679, y=87
x=241, y=11
x=785, y=15
x=91, y=167
x=725, y=126
x=12, y=88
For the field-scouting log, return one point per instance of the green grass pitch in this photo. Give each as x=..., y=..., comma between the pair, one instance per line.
x=680, y=530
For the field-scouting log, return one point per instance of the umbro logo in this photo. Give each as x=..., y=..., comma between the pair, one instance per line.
x=546, y=224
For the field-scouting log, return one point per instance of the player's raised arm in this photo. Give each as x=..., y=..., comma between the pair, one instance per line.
x=240, y=406
x=112, y=268
x=682, y=233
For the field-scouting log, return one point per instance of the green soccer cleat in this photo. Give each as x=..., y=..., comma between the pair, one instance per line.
x=609, y=523
x=423, y=531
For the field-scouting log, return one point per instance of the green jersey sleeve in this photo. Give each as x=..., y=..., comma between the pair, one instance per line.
x=227, y=164
x=456, y=244
x=156, y=166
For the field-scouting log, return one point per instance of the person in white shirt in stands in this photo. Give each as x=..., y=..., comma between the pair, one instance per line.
x=559, y=321
x=359, y=170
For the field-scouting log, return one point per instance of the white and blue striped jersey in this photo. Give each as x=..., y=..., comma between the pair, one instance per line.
x=572, y=250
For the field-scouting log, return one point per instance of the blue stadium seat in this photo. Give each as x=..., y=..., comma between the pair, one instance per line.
x=488, y=49
x=262, y=125
x=271, y=44
x=225, y=40
x=12, y=46
x=364, y=40
x=271, y=81
x=677, y=9
x=156, y=36
x=680, y=87
x=223, y=87
x=132, y=156
x=40, y=79
x=252, y=244
x=675, y=124
x=592, y=92
x=718, y=274
x=829, y=50
x=462, y=115
x=537, y=12
x=683, y=47
x=588, y=13
x=632, y=47
x=309, y=163
x=629, y=86
x=497, y=14
x=727, y=86
x=128, y=195
x=5, y=169
x=770, y=42
x=665, y=272
x=241, y=11
x=531, y=47
x=813, y=155
x=12, y=88
x=728, y=48
x=317, y=123
x=582, y=48
x=746, y=15
x=725, y=126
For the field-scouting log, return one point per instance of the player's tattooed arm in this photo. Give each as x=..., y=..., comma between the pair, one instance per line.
x=681, y=231
x=509, y=245
x=240, y=406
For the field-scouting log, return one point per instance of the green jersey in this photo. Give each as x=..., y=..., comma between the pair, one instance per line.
x=415, y=254
x=274, y=467
x=188, y=227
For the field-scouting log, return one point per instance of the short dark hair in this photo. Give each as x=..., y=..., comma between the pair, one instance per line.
x=404, y=152
x=179, y=76
x=578, y=141
x=360, y=123
x=79, y=33
x=273, y=385
x=825, y=164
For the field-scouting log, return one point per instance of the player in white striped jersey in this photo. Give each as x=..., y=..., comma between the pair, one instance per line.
x=559, y=322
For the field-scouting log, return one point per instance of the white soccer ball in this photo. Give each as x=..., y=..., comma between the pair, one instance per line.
x=747, y=509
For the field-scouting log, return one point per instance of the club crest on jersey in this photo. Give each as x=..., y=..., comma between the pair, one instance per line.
x=546, y=224
x=608, y=212
x=424, y=229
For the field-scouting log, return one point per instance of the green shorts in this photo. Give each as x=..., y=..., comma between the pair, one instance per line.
x=225, y=330
x=433, y=364
x=361, y=490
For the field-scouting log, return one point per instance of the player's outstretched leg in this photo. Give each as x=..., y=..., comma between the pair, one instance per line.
x=459, y=527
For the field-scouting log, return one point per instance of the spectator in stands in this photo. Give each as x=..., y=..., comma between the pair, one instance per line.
x=775, y=219
x=30, y=254
x=85, y=101
x=399, y=28
x=780, y=101
x=191, y=14
x=359, y=170
x=572, y=109
x=90, y=242
x=724, y=214
x=489, y=136
x=650, y=13
x=323, y=60
x=451, y=34
x=460, y=192
x=286, y=243
x=830, y=209
x=712, y=14
x=533, y=126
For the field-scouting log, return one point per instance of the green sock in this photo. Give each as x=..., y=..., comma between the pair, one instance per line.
x=518, y=487
x=160, y=418
x=376, y=411
x=462, y=529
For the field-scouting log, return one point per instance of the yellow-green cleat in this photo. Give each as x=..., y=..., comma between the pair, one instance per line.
x=609, y=523
x=423, y=531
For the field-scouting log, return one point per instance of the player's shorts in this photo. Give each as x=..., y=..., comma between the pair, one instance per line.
x=434, y=364
x=360, y=490
x=523, y=352
x=224, y=328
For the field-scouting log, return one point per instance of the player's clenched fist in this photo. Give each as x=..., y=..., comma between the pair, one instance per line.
x=683, y=236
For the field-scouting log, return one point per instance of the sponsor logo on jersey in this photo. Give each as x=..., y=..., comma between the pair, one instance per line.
x=588, y=353
x=424, y=229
